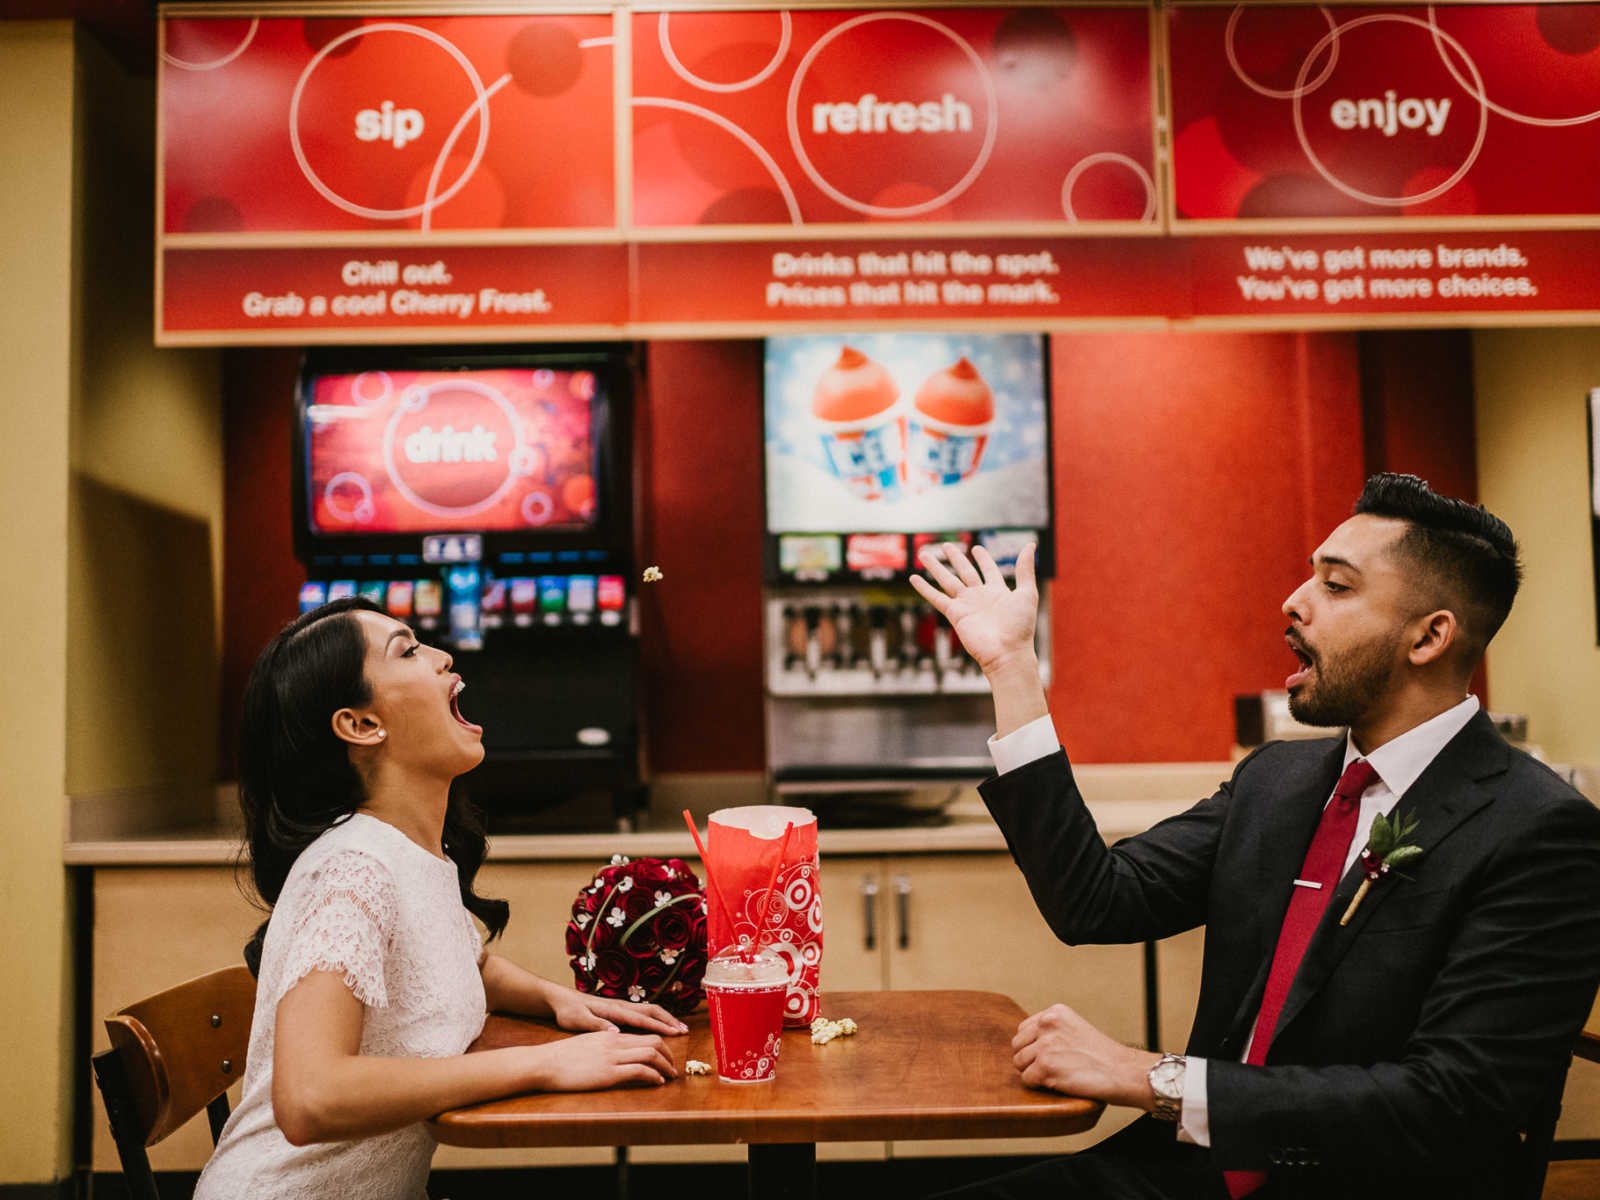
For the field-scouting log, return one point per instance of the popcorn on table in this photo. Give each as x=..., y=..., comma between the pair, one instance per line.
x=652, y=574
x=824, y=1031
x=695, y=1067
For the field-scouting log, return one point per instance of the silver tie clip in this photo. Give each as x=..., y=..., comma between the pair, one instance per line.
x=1307, y=883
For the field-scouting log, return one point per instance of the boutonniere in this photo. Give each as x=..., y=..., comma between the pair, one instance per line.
x=1386, y=850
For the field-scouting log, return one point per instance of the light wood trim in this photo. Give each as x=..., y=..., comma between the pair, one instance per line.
x=359, y=241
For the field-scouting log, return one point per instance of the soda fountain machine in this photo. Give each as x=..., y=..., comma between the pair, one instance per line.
x=485, y=496
x=876, y=446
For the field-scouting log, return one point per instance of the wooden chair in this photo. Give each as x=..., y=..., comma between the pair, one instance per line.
x=1540, y=1144
x=172, y=1055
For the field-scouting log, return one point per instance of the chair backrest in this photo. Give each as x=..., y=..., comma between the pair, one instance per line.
x=1539, y=1143
x=177, y=1052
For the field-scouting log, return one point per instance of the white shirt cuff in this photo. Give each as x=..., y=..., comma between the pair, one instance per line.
x=1194, y=1126
x=1025, y=744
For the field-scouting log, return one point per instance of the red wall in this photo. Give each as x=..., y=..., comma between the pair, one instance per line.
x=702, y=525
x=1194, y=474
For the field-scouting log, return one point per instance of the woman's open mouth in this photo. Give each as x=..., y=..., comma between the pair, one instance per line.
x=455, y=709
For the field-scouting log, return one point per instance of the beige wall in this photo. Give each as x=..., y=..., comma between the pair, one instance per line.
x=1532, y=387
x=144, y=582
x=111, y=482
x=37, y=65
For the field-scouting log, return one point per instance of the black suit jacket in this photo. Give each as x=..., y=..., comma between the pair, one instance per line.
x=1415, y=1040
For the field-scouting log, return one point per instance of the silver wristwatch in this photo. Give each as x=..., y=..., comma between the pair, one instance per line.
x=1166, y=1081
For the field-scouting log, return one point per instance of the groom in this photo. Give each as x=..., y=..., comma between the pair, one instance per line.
x=1393, y=1044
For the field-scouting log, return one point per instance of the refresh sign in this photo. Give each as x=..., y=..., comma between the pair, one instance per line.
x=386, y=123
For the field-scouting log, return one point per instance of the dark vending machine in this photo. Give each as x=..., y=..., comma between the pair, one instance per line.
x=485, y=496
x=876, y=445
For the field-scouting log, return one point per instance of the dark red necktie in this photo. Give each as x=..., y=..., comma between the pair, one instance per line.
x=1323, y=866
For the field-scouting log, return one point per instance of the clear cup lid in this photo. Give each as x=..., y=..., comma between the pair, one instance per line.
x=740, y=962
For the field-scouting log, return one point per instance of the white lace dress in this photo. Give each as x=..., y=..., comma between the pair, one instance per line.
x=367, y=902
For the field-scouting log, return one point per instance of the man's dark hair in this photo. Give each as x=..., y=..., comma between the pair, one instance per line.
x=1466, y=553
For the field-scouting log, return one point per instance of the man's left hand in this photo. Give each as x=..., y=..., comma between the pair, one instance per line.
x=1059, y=1050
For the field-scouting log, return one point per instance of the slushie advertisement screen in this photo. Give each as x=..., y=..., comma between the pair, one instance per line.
x=906, y=432
x=509, y=450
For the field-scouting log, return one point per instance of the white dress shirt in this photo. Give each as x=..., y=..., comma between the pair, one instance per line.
x=1398, y=763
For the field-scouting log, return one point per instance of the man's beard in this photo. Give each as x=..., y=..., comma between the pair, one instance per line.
x=1342, y=690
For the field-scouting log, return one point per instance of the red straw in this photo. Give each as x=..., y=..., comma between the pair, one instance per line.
x=783, y=848
x=705, y=862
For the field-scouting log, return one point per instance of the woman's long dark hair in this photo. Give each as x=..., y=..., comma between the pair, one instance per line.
x=296, y=780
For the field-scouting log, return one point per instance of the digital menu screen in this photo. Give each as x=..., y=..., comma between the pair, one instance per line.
x=505, y=450
x=906, y=432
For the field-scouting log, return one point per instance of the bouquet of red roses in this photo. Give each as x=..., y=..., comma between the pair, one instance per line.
x=638, y=932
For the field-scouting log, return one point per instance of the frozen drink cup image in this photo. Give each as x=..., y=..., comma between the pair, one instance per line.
x=951, y=418
x=863, y=431
x=744, y=991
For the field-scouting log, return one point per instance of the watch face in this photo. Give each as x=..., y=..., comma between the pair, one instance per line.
x=1166, y=1078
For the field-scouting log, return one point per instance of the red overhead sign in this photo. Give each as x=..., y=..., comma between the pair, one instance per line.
x=558, y=174
x=315, y=125
x=997, y=115
x=1455, y=111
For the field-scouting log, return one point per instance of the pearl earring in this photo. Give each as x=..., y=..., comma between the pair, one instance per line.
x=382, y=733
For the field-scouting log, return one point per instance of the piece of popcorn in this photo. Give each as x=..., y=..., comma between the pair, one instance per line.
x=824, y=1031
x=695, y=1067
x=652, y=574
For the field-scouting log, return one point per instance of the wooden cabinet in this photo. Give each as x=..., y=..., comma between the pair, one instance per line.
x=919, y=922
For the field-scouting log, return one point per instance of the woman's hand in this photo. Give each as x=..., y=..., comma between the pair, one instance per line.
x=582, y=1012
x=605, y=1059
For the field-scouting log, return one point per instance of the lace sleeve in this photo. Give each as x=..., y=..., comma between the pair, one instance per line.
x=344, y=926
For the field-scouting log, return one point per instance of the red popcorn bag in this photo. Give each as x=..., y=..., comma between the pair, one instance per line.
x=742, y=850
x=638, y=932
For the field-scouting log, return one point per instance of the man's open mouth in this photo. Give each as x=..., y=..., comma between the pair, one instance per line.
x=1307, y=662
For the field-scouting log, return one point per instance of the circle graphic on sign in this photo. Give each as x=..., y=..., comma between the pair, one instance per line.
x=980, y=160
x=362, y=511
x=537, y=507
x=433, y=199
x=1229, y=48
x=361, y=381
x=1092, y=160
x=450, y=447
x=1479, y=93
x=210, y=64
x=755, y=147
x=786, y=31
x=1369, y=197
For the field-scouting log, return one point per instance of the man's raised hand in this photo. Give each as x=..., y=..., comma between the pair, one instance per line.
x=994, y=621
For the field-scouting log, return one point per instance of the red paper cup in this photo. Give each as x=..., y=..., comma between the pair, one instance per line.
x=742, y=845
x=745, y=993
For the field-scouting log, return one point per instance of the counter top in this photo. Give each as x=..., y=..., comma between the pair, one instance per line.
x=1124, y=799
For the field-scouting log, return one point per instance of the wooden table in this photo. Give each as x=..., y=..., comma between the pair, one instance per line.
x=924, y=1065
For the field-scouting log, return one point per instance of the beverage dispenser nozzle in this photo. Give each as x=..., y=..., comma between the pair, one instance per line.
x=828, y=637
x=813, y=617
x=944, y=656
x=878, y=640
x=908, y=637
x=844, y=649
x=794, y=638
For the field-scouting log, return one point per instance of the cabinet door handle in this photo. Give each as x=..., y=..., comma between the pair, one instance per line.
x=869, y=910
x=902, y=903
